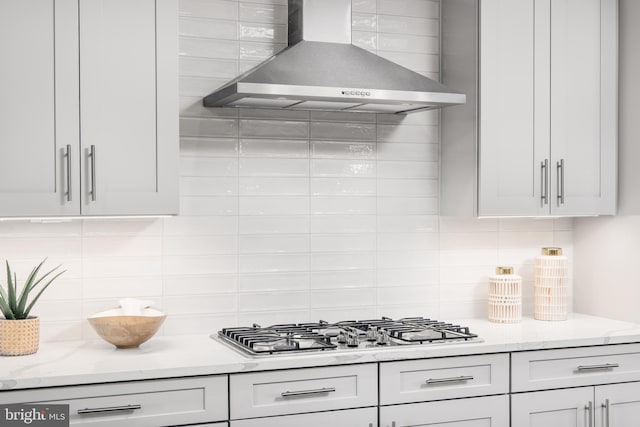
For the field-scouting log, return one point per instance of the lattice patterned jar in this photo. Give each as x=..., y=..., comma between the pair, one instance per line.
x=551, y=285
x=505, y=296
x=19, y=337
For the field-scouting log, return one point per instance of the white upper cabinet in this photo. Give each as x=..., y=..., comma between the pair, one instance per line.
x=97, y=77
x=39, y=109
x=129, y=106
x=541, y=127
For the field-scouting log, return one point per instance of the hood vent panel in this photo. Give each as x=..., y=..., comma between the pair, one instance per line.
x=332, y=76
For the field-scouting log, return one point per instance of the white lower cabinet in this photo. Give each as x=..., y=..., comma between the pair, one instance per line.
x=297, y=391
x=153, y=403
x=492, y=411
x=363, y=417
x=616, y=405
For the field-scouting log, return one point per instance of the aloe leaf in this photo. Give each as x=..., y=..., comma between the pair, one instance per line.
x=4, y=307
x=28, y=310
x=11, y=290
x=29, y=285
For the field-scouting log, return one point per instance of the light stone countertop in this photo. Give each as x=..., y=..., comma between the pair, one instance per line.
x=91, y=362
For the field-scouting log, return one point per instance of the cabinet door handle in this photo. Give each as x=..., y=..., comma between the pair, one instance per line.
x=607, y=412
x=67, y=155
x=560, y=181
x=449, y=380
x=92, y=154
x=589, y=409
x=544, y=181
x=86, y=411
x=587, y=368
x=308, y=392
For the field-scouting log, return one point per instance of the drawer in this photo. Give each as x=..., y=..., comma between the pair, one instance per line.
x=151, y=403
x=364, y=417
x=572, y=367
x=443, y=378
x=295, y=391
x=491, y=411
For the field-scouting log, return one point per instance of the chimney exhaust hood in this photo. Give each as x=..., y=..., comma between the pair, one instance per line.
x=322, y=70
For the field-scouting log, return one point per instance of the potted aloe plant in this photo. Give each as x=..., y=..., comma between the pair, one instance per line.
x=20, y=332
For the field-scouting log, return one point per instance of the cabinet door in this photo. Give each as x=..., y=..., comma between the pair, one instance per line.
x=474, y=412
x=513, y=141
x=39, y=110
x=363, y=417
x=128, y=106
x=618, y=405
x=567, y=408
x=584, y=74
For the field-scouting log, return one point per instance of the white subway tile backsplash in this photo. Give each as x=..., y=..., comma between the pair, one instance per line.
x=419, y=8
x=274, y=205
x=285, y=215
x=262, y=282
x=273, y=129
x=208, y=205
x=321, y=224
x=269, y=13
x=274, y=148
x=265, y=33
x=192, y=126
x=274, y=224
x=366, y=6
x=333, y=279
x=355, y=168
x=343, y=150
x=407, y=187
x=274, y=167
x=199, y=245
x=343, y=298
x=340, y=205
x=343, y=261
x=409, y=25
x=207, y=68
x=408, y=133
x=219, y=9
x=264, y=263
x=408, y=206
x=295, y=243
x=254, y=51
x=343, y=187
x=339, y=131
x=208, y=48
x=208, y=186
x=408, y=43
x=208, y=28
x=364, y=21
x=273, y=301
x=200, y=264
x=273, y=186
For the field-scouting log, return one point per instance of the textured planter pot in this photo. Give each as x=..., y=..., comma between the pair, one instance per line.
x=19, y=337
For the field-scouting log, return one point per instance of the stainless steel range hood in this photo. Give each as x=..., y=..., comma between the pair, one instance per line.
x=322, y=70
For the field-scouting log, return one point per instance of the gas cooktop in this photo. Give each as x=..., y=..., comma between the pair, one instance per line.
x=345, y=335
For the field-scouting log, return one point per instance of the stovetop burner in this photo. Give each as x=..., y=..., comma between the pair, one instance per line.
x=351, y=334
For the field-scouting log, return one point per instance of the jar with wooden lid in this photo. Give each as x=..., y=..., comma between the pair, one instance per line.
x=505, y=296
x=551, y=285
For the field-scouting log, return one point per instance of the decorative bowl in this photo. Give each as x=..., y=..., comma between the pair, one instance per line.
x=127, y=331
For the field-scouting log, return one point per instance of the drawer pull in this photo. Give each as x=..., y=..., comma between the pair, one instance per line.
x=587, y=368
x=308, y=392
x=87, y=411
x=449, y=380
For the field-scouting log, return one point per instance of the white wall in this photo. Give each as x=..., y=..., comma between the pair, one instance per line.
x=288, y=216
x=607, y=277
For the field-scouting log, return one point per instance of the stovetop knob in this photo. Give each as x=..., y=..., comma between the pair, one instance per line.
x=383, y=337
x=372, y=333
x=342, y=337
x=353, y=340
